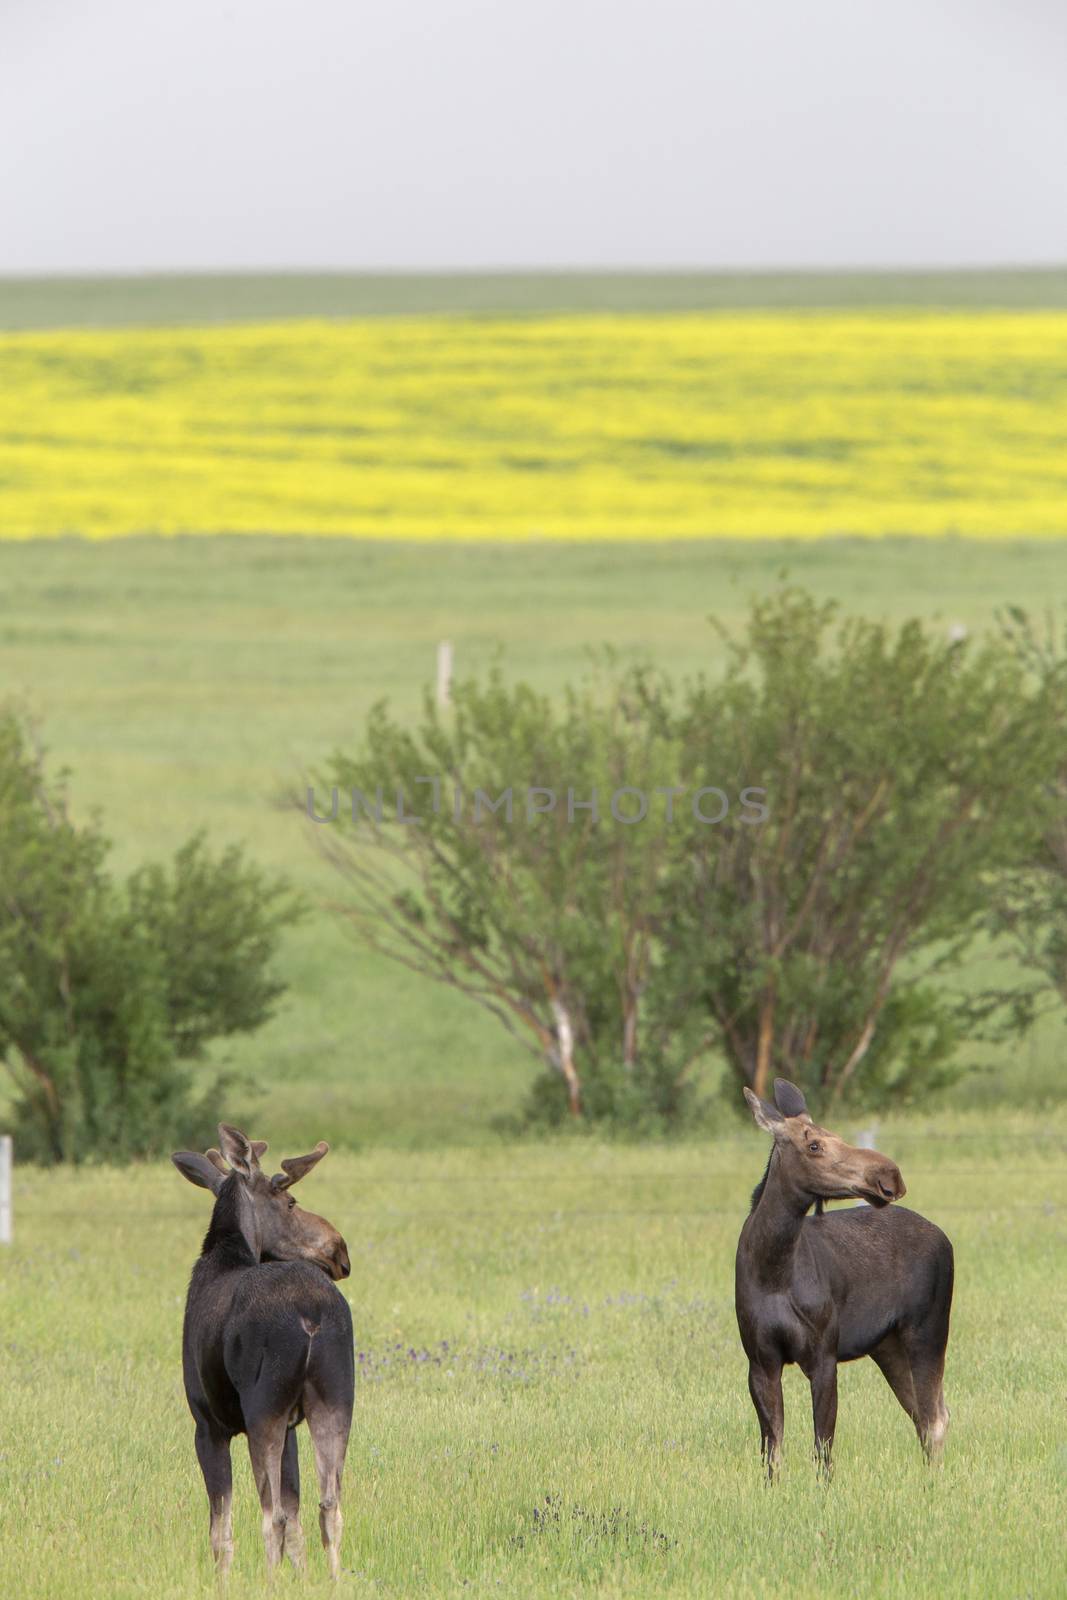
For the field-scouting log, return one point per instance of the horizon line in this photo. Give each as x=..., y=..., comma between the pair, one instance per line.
x=868, y=270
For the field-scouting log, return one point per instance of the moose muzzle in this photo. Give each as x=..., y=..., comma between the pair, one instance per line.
x=883, y=1183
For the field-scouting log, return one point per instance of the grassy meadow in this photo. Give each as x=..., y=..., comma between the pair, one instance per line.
x=551, y=1396
x=187, y=682
x=153, y=299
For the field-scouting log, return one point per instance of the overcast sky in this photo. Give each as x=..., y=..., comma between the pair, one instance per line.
x=147, y=134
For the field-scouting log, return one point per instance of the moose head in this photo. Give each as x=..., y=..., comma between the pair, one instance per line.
x=273, y=1226
x=816, y=1163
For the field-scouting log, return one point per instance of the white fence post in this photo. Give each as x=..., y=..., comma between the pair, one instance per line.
x=444, y=672
x=7, y=1162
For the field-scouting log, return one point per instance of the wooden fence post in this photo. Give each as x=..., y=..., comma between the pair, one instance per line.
x=444, y=672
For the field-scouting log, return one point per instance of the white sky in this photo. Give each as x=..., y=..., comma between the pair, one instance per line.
x=148, y=134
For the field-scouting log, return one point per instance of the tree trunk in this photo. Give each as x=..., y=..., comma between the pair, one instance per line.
x=860, y=1049
x=565, y=1049
x=629, y=1034
x=763, y=1048
x=50, y=1099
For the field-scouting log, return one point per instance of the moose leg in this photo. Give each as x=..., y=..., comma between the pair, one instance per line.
x=823, y=1380
x=266, y=1444
x=765, y=1387
x=295, y=1547
x=926, y=1341
x=213, y=1454
x=890, y=1356
x=329, y=1427
x=914, y=1372
x=931, y=1412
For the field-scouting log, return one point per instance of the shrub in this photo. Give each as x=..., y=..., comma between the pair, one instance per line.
x=108, y=991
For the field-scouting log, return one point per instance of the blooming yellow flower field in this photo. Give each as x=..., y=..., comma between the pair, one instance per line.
x=667, y=426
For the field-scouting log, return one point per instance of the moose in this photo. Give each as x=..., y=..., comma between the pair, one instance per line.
x=818, y=1290
x=266, y=1343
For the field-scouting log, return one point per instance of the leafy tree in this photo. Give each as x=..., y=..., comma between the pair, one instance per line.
x=526, y=895
x=901, y=770
x=213, y=923
x=1029, y=905
x=109, y=991
x=811, y=928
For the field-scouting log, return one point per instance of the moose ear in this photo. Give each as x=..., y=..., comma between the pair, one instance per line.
x=788, y=1099
x=765, y=1116
x=297, y=1167
x=237, y=1149
x=199, y=1170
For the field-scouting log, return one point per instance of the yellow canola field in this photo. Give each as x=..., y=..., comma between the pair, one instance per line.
x=662, y=426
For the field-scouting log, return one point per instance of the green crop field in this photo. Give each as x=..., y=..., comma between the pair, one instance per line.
x=552, y=1397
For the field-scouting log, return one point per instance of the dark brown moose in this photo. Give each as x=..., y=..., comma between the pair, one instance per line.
x=267, y=1342
x=872, y=1280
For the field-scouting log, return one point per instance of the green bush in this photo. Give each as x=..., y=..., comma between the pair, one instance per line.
x=109, y=991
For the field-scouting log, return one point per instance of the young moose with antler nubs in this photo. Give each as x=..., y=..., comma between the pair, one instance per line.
x=874, y=1280
x=267, y=1342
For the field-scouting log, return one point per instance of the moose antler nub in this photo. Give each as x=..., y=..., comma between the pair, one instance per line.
x=297, y=1167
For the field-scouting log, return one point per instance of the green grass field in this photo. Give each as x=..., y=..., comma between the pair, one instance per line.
x=552, y=1396
x=165, y=300
x=185, y=682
